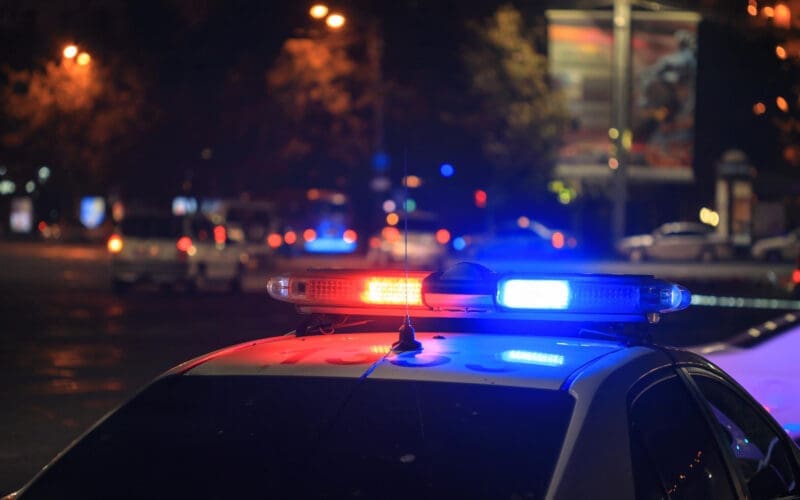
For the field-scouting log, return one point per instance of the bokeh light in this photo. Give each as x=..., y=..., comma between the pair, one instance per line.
x=447, y=170
x=335, y=21
x=70, y=51
x=318, y=11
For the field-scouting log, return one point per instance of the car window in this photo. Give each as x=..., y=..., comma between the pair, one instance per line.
x=759, y=452
x=151, y=227
x=238, y=436
x=673, y=450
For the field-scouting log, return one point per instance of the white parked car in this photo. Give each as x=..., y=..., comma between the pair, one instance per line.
x=778, y=248
x=170, y=250
x=676, y=241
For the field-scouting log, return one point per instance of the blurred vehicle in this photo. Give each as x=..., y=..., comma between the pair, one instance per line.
x=170, y=250
x=427, y=241
x=514, y=388
x=249, y=225
x=676, y=241
x=324, y=225
x=530, y=240
x=762, y=361
x=778, y=248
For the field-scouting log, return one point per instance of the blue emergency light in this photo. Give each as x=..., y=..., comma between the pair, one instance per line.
x=472, y=291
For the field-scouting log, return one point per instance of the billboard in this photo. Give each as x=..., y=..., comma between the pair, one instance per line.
x=663, y=74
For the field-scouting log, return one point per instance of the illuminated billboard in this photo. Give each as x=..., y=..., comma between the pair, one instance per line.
x=664, y=69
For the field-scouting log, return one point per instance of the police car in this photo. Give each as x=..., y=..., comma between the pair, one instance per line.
x=493, y=386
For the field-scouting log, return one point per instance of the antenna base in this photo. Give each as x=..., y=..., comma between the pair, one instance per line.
x=406, y=341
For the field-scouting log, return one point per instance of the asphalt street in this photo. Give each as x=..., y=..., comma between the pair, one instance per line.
x=72, y=350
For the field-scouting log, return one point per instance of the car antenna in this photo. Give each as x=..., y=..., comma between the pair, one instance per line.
x=406, y=341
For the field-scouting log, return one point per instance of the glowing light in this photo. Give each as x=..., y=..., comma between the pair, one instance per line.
x=752, y=10
x=459, y=243
x=564, y=197
x=114, y=244
x=613, y=163
x=274, y=240
x=532, y=357
x=759, y=108
x=30, y=187
x=338, y=199
x=309, y=235
x=192, y=251
x=480, y=198
x=350, y=236
x=385, y=290
x=290, y=237
x=796, y=276
x=220, y=235
x=768, y=11
x=374, y=242
x=708, y=216
x=318, y=11
x=447, y=170
x=783, y=16
x=782, y=104
x=7, y=187
x=335, y=21
x=184, y=243
x=613, y=134
x=42, y=226
x=389, y=206
x=44, y=173
x=557, y=240
x=780, y=52
x=83, y=59
x=312, y=194
x=412, y=181
x=70, y=51
x=390, y=234
x=410, y=205
x=533, y=294
x=392, y=219
x=523, y=222
x=443, y=236
x=380, y=349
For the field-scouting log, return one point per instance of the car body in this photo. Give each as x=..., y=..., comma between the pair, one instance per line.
x=249, y=225
x=676, y=241
x=425, y=242
x=762, y=361
x=170, y=250
x=778, y=248
x=476, y=409
x=531, y=240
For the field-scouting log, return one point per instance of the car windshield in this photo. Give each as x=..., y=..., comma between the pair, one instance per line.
x=245, y=436
x=152, y=227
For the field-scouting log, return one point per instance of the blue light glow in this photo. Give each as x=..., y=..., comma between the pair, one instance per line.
x=533, y=294
x=533, y=358
x=459, y=243
x=447, y=170
x=330, y=245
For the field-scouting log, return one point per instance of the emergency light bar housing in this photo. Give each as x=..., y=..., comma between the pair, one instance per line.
x=473, y=291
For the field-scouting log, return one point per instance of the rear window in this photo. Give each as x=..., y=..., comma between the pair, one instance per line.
x=313, y=437
x=152, y=227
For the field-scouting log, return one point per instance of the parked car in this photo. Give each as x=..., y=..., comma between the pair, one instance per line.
x=676, y=241
x=427, y=241
x=778, y=248
x=531, y=240
x=170, y=250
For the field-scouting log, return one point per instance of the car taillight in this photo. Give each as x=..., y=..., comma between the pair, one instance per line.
x=796, y=276
x=443, y=236
x=184, y=244
x=220, y=235
x=274, y=240
x=350, y=236
x=114, y=243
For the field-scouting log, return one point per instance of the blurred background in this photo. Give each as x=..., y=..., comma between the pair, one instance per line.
x=159, y=159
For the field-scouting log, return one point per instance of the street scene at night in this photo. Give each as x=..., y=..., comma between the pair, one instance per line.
x=428, y=244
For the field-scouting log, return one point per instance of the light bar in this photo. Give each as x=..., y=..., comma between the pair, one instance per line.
x=349, y=288
x=473, y=291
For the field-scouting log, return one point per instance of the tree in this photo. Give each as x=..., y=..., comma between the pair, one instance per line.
x=520, y=115
x=75, y=117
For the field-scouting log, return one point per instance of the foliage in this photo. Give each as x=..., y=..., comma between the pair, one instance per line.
x=80, y=115
x=324, y=96
x=522, y=118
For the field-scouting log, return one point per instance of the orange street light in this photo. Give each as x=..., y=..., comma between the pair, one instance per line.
x=70, y=51
x=84, y=59
x=335, y=21
x=318, y=11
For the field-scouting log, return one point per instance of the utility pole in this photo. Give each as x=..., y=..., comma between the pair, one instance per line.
x=620, y=132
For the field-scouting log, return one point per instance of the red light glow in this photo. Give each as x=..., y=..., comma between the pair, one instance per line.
x=350, y=236
x=392, y=291
x=220, y=235
x=480, y=198
x=309, y=235
x=114, y=244
x=274, y=240
x=290, y=237
x=390, y=234
x=184, y=244
x=796, y=276
x=557, y=239
x=443, y=236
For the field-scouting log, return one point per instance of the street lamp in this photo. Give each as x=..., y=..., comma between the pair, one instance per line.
x=318, y=11
x=335, y=21
x=70, y=51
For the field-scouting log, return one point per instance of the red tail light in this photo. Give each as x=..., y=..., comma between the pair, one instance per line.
x=184, y=244
x=220, y=235
x=796, y=276
x=350, y=236
x=443, y=236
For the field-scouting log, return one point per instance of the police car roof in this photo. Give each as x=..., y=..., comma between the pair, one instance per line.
x=510, y=360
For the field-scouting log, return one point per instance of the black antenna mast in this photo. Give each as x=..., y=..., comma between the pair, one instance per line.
x=406, y=340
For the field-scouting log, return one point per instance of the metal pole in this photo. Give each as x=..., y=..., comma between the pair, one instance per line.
x=621, y=113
